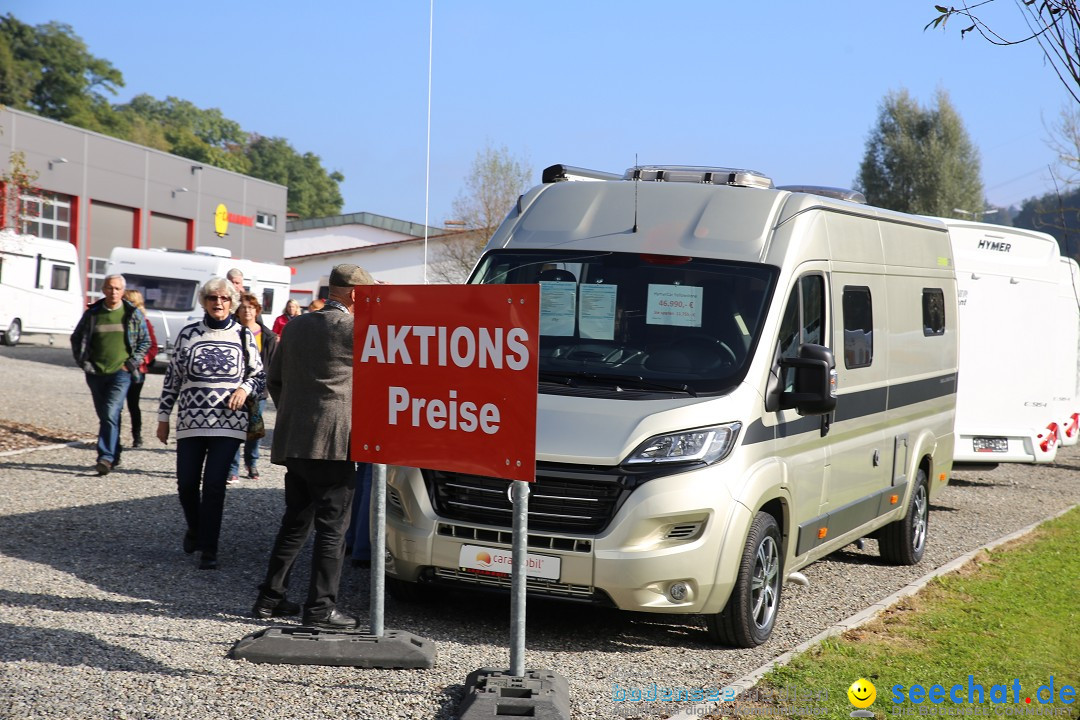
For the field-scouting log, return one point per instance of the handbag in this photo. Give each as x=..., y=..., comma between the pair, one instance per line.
x=256, y=427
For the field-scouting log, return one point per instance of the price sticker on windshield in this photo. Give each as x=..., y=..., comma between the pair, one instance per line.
x=674, y=305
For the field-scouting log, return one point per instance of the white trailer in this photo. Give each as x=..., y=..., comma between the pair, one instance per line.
x=1008, y=286
x=170, y=279
x=40, y=286
x=1067, y=353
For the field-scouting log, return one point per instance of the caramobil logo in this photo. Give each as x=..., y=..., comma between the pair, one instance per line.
x=988, y=700
x=483, y=558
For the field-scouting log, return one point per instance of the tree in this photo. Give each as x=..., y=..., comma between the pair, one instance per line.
x=205, y=136
x=921, y=160
x=494, y=183
x=1053, y=24
x=313, y=192
x=48, y=70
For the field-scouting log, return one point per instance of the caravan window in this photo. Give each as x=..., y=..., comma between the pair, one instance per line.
x=268, y=299
x=164, y=293
x=858, y=327
x=61, y=277
x=933, y=311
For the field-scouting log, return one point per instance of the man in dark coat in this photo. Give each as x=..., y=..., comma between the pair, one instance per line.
x=310, y=381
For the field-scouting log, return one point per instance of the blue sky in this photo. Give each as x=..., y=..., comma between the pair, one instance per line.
x=789, y=88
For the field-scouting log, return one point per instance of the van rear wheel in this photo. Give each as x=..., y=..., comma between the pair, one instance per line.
x=751, y=611
x=13, y=334
x=903, y=542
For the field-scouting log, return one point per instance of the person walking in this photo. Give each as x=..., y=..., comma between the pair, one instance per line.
x=109, y=344
x=248, y=316
x=135, y=297
x=292, y=309
x=212, y=370
x=310, y=381
x=236, y=277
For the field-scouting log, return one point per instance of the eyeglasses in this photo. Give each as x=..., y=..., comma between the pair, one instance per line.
x=216, y=298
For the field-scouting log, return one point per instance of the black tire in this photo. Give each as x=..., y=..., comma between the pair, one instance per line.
x=13, y=334
x=903, y=542
x=407, y=592
x=751, y=611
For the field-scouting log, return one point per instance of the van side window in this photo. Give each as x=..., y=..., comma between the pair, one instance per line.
x=803, y=321
x=933, y=311
x=858, y=327
x=61, y=277
x=268, y=299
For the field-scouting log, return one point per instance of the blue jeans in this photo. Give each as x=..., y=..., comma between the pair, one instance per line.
x=109, y=393
x=250, y=449
x=359, y=535
x=201, y=465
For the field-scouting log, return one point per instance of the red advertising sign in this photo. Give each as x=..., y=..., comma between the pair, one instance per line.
x=444, y=377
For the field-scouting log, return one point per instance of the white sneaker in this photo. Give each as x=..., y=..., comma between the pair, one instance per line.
x=233, y=479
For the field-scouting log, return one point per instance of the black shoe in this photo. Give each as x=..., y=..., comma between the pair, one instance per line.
x=190, y=541
x=103, y=466
x=136, y=441
x=336, y=620
x=208, y=561
x=266, y=608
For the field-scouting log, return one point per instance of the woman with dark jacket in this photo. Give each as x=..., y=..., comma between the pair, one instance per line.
x=247, y=315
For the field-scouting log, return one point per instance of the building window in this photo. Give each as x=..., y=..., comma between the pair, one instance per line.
x=265, y=220
x=95, y=279
x=933, y=311
x=858, y=327
x=46, y=215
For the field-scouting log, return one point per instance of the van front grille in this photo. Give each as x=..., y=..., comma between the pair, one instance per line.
x=560, y=500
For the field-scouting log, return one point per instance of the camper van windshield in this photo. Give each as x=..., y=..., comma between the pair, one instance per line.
x=637, y=321
x=164, y=293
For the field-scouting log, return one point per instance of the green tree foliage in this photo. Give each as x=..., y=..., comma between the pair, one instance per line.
x=47, y=70
x=921, y=160
x=494, y=183
x=313, y=192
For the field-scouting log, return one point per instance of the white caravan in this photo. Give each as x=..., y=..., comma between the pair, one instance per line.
x=1008, y=285
x=40, y=286
x=734, y=381
x=1067, y=353
x=170, y=279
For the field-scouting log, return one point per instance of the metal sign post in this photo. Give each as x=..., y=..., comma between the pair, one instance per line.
x=518, y=565
x=378, y=548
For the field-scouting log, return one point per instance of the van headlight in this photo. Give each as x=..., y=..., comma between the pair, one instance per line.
x=707, y=445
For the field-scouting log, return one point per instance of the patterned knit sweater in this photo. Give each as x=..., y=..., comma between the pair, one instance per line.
x=205, y=367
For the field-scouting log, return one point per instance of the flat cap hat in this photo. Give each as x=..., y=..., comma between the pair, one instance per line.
x=348, y=275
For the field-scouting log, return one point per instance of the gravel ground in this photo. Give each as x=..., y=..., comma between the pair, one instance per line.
x=103, y=616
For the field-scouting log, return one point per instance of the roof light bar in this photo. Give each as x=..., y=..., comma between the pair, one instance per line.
x=692, y=174
x=559, y=173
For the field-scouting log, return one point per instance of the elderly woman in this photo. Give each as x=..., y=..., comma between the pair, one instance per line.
x=292, y=309
x=248, y=314
x=211, y=373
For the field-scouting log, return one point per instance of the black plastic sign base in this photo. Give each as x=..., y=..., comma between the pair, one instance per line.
x=498, y=694
x=352, y=648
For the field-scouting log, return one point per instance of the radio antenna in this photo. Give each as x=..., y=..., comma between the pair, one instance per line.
x=637, y=179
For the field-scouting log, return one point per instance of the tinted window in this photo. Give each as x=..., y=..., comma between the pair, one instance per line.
x=61, y=277
x=164, y=293
x=803, y=322
x=858, y=327
x=933, y=311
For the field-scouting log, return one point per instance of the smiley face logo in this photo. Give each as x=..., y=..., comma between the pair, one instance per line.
x=862, y=693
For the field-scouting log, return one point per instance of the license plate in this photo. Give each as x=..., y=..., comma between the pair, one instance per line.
x=991, y=444
x=496, y=561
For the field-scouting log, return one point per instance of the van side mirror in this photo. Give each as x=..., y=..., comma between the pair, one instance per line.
x=815, y=381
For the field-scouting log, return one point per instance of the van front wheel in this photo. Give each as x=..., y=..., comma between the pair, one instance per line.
x=751, y=611
x=903, y=542
x=14, y=332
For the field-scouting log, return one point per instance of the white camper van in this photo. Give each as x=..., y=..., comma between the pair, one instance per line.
x=170, y=279
x=40, y=286
x=735, y=380
x=1008, y=285
x=1067, y=353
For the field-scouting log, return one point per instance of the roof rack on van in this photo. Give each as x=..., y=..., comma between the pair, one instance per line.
x=692, y=174
x=559, y=173
x=831, y=192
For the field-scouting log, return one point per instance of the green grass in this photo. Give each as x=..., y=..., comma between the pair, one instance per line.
x=1010, y=614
